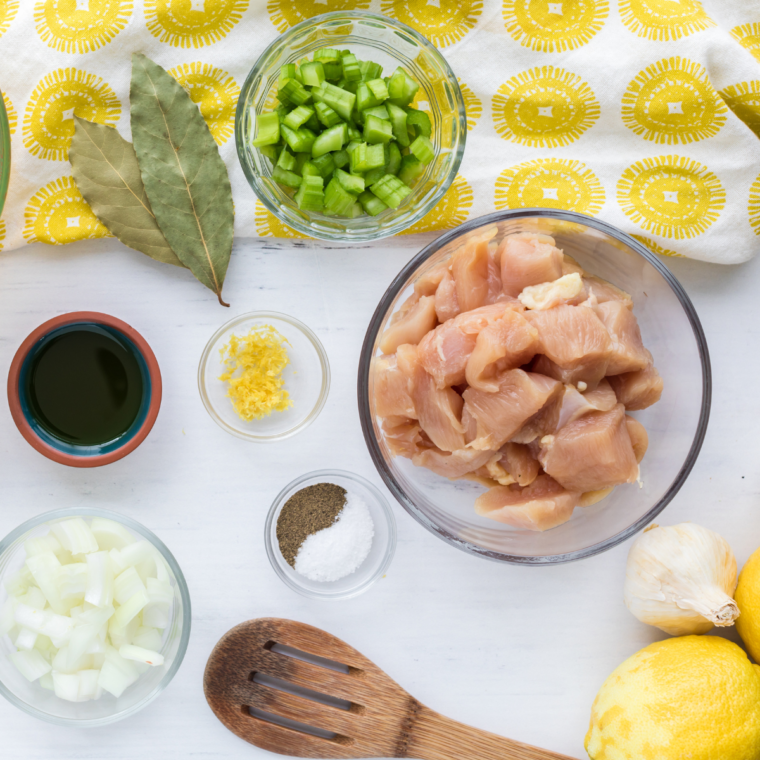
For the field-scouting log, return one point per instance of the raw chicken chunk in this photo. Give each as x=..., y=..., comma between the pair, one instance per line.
x=428, y=283
x=605, y=291
x=528, y=259
x=403, y=436
x=452, y=465
x=439, y=411
x=494, y=274
x=549, y=294
x=507, y=343
x=628, y=352
x=638, y=390
x=591, y=453
x=639, y=437
x=514, y=464
x=575, y=404
x=500, y=415
x=446, y=304
x=575, y=343
x=444, y=352
x=542, y=505
x=417, y=322
x=469, y=268
x=391, y=388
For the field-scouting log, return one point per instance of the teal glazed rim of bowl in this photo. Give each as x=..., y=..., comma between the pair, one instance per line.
x=405, y=47
x=5, y=153
x=64, y=452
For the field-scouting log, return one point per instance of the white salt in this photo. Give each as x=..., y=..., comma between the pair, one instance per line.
x=335, y=552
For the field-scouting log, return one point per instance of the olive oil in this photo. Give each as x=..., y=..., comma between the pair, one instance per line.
x=84, y=385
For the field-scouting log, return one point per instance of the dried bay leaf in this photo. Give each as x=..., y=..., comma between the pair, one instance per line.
x=106, y=171
x=184, y=175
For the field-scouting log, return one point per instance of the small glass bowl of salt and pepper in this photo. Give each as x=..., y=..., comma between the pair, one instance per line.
x=330, y=535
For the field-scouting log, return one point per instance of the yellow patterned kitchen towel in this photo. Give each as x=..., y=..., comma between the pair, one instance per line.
x=645, y=113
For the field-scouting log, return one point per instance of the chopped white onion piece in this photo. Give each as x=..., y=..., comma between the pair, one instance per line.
x=99, y=579
x=75, y=536
x=57, y=627
x=130, y=609
x=138, y=654
x=66, y=686
x=44, y=569
x=117, y=674
x=46, y=681
x=7, y=619
x=19, y=583
x=26, y=639
x=110, y=534
x=47, y=543
x=72, y=580
x=127, y=584
x=116, y=564
x=32, y=664
x=148, y=638
x=34, y=598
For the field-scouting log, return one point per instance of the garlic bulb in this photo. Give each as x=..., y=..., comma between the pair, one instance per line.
x=681, y=579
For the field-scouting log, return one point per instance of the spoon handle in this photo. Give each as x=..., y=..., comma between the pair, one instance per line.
x=430, y=736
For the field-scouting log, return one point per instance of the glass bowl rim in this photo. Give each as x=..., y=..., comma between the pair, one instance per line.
x=366, y=355
x=5, y=153
x=324, y=363
x=184, y=639
x=389, y=551
x=259, y=68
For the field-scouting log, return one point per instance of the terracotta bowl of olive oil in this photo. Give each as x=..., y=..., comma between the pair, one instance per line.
x=84, y=389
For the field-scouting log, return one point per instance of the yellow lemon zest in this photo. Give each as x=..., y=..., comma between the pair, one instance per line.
x=254, y=365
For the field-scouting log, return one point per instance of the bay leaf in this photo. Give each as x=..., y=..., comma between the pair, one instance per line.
x=184, y=175
x=106, y=171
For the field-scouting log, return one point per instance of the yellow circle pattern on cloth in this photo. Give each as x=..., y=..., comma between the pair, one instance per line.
x=451, y=211
x=754, y=220
x=443, y=24
x=744, y=100
x=472, y=105
x=268, y=225
x=550, y=183
x=554, y=26
x=216, y=94
x=671, y=196
x=544, y=107
x=664, y=19
x=286, y=13
x=193, y=23
x=690, y=697
x=656, y=247
x=80, y=26
x=49, y=117
x=2, y=233
x=58, y=214
x=11, y=113
x=8, y=11
x=748, y=36
x=672, y=101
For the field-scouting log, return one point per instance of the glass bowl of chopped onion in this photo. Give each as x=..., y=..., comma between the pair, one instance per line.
x=509, y=507
x=264, y=376
x=94, y=617
x=372, y=38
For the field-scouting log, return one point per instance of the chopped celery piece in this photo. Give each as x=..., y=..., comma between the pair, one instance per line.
x=365, y=157
x=309, y=170
x=350, y=147
x=350, y=182
x=313, y=123
x=327, y=54
x=380, y=111
x=420, y=121
x=326, y=115
x=398, y=118
x=339, y=100
x=312, y=73
x=337, y=199
x=284, y=177
x=272, y=152
x=377, y=130
x=330, y=140
x=354, y=134
x=267, y=129
x=423, y=149
x=287, y=71
x=370, y=70
x=402, y=88
x=390, y=190
x=282, y=111
x=301, y=159
x=340, y=158
x=371, y=203
x=333, y=71
x=351, y=70
x=373, y=175
x=292, y=91
x=299, y=141
x=364, y=98
x=355, y=210
x=393, y=164
x=298, y=117
x=286, y=161
x=310, y=195
x=379, y=89
x=411, y=170
x=317, y=94
x=325, y=165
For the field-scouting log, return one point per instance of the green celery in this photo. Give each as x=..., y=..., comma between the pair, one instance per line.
x=339, y=100
x=371, y=203
x=370, y=70
x=423, y=149
x=365, y=157
x=337, y=199
x=310, y=195
x=326, y=115
x=325, y=165
x=292, y=91
x=351, y=70
x=351, y=183
x=298, y=117
x=365, y=98
x=377, y=130
x=309, y=170
x=355, y=211
x=379, y=89
x=354, y=134
x=411, y=170
x=287, y=71
x=272, y=152
x=313, y=73
x=340, y=158
x=299, y=141
x=398, y=117
x=283, y=177
x=380, y=111
x=373, y=175
x=333, y=70
x=420, y=121
x=402, y=88
x=390, y=190
x=267, y=129
x=301, y=159
x=330, y=140
x=287, y=161
x=393, y=164
x=327, y=55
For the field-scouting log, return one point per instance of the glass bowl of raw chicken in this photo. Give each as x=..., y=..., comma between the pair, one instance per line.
x=534, y=386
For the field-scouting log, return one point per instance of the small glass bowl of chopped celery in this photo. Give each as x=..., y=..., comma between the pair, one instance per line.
x=366, y=142
x=162, y=626
x=306, y=376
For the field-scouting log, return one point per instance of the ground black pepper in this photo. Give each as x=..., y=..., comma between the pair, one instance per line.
x=309, y=510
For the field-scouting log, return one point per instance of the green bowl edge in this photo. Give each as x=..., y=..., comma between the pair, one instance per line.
x=5, y=153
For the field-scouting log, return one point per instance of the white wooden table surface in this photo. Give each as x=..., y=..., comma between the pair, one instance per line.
x=519, y=651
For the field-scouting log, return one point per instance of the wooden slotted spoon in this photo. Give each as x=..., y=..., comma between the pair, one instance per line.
x=293, y=689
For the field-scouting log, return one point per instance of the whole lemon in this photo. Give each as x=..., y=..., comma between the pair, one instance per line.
x=695, y=697
x=747, y=596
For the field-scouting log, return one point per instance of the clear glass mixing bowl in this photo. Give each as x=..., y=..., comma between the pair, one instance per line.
x=31, y=697
x=676, y=424
x=391, y=44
